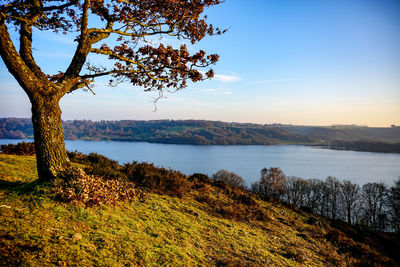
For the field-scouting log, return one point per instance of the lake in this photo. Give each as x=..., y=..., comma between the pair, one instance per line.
x=247, y=161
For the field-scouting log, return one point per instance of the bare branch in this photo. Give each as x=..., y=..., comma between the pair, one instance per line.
x=132, y=34
x=95, y=75
x=51, y=8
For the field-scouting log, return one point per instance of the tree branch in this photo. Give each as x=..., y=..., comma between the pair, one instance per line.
x=95, y=75
x=15, y=64
x=85, y=42
x=108, y=31
x=138, y=63
x=96, y=37
x=83, y=47
x=25, y=50
x=51, y=8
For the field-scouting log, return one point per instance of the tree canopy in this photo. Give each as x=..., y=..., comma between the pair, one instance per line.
x=120, y=33
x=118, y=30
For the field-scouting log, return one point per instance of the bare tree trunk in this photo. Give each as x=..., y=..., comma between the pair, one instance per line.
x=51, y=155
x=348, y=215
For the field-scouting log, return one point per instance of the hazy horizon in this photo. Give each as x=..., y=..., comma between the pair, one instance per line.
x=310, y=63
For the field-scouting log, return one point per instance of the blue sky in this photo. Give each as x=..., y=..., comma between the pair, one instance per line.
x=301, y=62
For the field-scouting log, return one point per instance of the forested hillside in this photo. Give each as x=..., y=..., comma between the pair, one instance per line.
x=348, y=133
x=201, y=132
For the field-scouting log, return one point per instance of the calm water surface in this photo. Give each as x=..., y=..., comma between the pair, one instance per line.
x=247, y=161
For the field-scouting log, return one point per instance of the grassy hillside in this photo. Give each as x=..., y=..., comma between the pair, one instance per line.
x=209, y=225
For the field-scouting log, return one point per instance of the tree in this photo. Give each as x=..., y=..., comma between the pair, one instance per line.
x=324, y=198
x=393, y=203
x=229, y=178
x=272, y=183
x=313, y=194
x=350, y=198
x=374, y=196
x=121, y=38
x=333, y=186
x=296, y=189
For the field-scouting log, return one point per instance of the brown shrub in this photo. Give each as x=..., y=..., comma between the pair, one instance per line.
x=200, y=178
x=230, y=178
x=100, y=165
x=221, y=184
x=23, y=149
x=242, y=196
x=74, y=185
x=200, y=182
x=202, y=188
x=205, y=196
x=158, y=180
x=78, y=157
x=366, y=255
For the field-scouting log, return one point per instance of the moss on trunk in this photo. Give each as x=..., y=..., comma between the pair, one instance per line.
x=51, y=154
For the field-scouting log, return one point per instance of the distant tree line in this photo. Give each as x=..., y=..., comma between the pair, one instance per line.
x=202, y=132
x=12, y=128
x=198, y=132
x=374, y=205
x=365, y=146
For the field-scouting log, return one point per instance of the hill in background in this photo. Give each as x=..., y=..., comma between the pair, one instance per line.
x=201, y=132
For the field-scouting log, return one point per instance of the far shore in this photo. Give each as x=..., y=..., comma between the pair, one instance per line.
x=396, y=149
